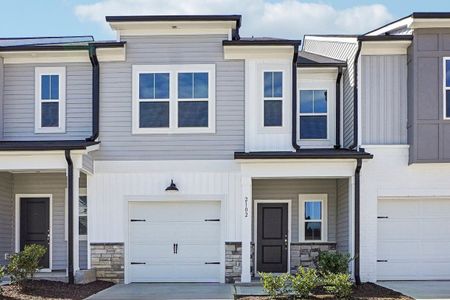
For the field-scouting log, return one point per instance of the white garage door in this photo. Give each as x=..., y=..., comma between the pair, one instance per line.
x=413, y=239
x=174, y=242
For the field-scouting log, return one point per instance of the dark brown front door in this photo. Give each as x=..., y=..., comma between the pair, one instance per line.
x=272, y=237
x=34, y=225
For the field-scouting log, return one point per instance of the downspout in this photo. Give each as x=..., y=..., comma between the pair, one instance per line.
x=355, y=98
x=294, y=98
x=95, y=92
x=338, y=109
x=70, y=217
x=357, y=220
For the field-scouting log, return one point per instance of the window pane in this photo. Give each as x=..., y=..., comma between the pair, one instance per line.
x=268, y=84
x=82, y=227
x=83, y=205
x=447, y=73
x=50, y=114
x=54, y=87
x=146, y=86
x=193, y=114
x=273, y=113
x=45, y=87
x=313, y=127
x=200, y=85
x=162, y=86
x=320, y=101
x=447, y=104
x=313, y=231
x=185, y=82
x=278, y=84
x=153, y=114
x=313, y=210
x=306, y=101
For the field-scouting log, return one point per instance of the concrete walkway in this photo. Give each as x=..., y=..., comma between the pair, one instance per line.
x=420, y=289
x=166, y=291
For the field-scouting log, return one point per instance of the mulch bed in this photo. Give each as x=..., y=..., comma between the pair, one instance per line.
x=52, y=290
x=365, y=291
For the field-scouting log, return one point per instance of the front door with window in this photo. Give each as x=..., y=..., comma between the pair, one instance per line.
x=35, y=225
x=272, y=237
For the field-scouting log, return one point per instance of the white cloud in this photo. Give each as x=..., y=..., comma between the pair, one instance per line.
x=285, y=18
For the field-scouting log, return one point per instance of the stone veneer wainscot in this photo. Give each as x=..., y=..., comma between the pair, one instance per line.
x=304, y=254
x=108, y=260
x=233, y=262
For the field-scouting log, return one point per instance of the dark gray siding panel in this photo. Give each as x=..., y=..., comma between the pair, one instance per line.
x=428, y=132
x=55, y=184
x=83, y=255
x=383, y=99
x=343, y=214
x=19, y=102
x=6, y=216
x=118, y=143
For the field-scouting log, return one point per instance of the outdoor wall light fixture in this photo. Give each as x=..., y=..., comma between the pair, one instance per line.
x=172, y=187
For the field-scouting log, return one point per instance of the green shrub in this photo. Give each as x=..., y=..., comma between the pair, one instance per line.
x=304, y=282
x=332, y=262
x=338, y=284
x=274, y=285
x=24, y=264
x=2, y=274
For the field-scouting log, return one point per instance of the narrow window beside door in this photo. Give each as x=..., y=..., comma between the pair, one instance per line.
x=447, y=88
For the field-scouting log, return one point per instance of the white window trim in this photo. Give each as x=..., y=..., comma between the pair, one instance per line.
x=283, y=113
x=82, y=192
x=327, y=114
x=61, y=72
x=445, y=88
x=173, y=100
x=313, y=198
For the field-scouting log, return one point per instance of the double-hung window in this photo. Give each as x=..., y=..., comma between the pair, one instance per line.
x=447, y=88
x=50, y=99
x=313, y=115
x=312, y=211
x=174, y=99
x=273, y=99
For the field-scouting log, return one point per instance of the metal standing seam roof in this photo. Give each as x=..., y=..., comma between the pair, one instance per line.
x=308, y=59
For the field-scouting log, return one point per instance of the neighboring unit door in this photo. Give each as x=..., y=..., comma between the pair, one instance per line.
x=413, y=239
x=35, y=225
x=272, y=237
x=174, y=242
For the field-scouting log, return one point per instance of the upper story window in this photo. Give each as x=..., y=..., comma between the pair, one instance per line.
x=313, y=114
x=50, y=92
x=447, y=88
x=174, y=99
x=273, y=99
x=313, y=217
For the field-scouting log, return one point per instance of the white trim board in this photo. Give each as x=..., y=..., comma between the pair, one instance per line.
x=17, y=224
x=255, y=232
x=302, y=198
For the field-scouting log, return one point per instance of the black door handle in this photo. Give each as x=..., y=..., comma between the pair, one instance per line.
x=175, y=248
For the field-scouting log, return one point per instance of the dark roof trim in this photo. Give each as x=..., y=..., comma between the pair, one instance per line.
x=321, y=65
x=382, y=38
x=334, y=35
x=430, y=15
x=176, y=18
x=46, y=145
x=62, y=47
x=385, y=25
x=306, y=154
x=255, y=42
x=47, y=37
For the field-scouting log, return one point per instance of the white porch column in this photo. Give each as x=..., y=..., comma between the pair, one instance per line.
x=76, y=237
x=246, y=228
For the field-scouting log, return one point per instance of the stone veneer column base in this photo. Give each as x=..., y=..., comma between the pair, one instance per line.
x=108, y=260
x=233, y=262
x=304, y=254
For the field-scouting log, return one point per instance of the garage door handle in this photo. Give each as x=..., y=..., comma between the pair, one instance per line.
x=382, y=260
x=212, y=220
x=138, y=263
x=383, y=217
x=137, y=220
x=212, y=263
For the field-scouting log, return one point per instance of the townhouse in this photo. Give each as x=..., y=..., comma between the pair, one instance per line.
x=182, y=151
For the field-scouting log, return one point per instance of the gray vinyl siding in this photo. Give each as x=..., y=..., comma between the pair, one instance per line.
x=345, y=51
x=118, y=142
x=342, y=220
x=6, y=216
x=428, y=132
x=383, y=99
x=55, y=184
x=1, y=96
x=19, y=102
x=289, y=189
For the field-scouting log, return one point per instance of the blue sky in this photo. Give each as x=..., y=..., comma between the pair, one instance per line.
x=283, y=18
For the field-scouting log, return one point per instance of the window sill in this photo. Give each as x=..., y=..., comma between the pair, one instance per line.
x=49, y=130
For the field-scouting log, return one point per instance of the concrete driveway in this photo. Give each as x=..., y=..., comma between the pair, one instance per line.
x=166, y=291
x=420, y=289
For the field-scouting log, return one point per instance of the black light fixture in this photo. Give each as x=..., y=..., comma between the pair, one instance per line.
x=172, y=187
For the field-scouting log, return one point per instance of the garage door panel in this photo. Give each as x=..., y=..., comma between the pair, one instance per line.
x=175, y=231
x=413, y=239
x=175, y=211
x=175, y=273
x=189, y=253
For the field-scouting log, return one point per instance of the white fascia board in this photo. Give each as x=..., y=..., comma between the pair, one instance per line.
x=173, y=27
x=430, y=23
x=111, y=54
x=18, y=160
x=331, y=38
x=318, y=73
x=406, y=22
x=385, y=47
x=258, y=52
